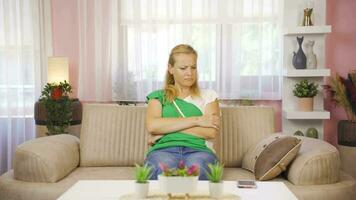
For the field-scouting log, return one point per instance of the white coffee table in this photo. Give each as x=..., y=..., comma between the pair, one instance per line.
x=113, y=189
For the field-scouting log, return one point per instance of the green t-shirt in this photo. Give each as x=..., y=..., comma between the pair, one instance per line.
x=177, y=138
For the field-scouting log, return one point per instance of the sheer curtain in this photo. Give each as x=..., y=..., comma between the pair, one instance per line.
x=23, y=53
x=95, y=50
x=238, y=42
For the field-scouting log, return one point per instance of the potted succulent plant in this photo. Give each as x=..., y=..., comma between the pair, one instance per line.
x=343, y=93
x=216, y=185
x=305, y=91
x=142, y=175
x=181, y=180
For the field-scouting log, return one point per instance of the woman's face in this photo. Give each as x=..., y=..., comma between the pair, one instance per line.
x=184, y=70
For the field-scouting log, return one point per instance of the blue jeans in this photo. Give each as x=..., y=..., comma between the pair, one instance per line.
x=172, y=155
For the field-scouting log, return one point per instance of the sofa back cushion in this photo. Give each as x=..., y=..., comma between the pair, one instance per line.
x=241, y=128
x=114, y=135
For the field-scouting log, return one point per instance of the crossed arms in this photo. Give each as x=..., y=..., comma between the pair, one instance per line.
x=206, y=126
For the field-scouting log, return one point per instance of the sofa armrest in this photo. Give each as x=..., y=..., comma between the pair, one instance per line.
x=317, y=162
x=46, y=159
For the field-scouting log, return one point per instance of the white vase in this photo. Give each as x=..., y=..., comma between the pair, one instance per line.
x=141, y=190
x=216, y=189
x=178, y=184
x=311, y=57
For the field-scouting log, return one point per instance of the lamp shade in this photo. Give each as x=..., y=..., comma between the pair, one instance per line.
x=58, y=69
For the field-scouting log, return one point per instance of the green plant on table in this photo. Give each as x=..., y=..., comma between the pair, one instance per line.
x=215, y=172
x=305, y=89
x=58, y=107
x=142, y=173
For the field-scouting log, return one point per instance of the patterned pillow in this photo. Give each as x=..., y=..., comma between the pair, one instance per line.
x=271, y=156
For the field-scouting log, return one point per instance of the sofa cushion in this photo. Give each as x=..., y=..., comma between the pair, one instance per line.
x=241, y=128
x=318, y=162
x=46, y=159
x=271, y=156
x=112, y=135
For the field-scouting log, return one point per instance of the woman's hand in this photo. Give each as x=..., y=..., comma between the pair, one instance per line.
x=209, y=121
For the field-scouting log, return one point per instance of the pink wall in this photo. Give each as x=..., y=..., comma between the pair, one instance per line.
x=340, y=53
x=65, y=30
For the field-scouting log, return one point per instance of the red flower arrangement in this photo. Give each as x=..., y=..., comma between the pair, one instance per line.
x=56, y=92
x=182, y=170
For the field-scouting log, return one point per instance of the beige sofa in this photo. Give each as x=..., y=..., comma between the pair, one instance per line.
x=113, y=138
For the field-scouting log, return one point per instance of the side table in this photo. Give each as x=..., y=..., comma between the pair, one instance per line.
x=75, y=123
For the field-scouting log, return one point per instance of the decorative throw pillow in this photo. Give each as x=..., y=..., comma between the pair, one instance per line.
x=271, y=156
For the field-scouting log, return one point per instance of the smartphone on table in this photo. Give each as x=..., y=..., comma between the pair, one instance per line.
x=246, y=184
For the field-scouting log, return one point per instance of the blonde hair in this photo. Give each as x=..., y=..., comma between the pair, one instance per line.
x=170, y=90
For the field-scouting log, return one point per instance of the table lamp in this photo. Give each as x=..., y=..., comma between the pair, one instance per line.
x=58, y=70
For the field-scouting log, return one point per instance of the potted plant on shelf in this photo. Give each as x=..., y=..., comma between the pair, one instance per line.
x=142, y=175
x=343, y=93
x=181, y=180
x=305, y=91
x=58, y=107
x=214, y=175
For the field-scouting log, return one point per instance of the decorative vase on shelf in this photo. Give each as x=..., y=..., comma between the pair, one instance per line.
x=299, y=59
x=299, y=133
x=311, y=57
x=307, y=21
x=312, y=133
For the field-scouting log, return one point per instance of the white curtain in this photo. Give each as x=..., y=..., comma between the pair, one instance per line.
x=238, y=42
x=23, y=56
x=95, y=50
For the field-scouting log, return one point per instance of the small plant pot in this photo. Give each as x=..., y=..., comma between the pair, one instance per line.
x=216, y=189
x=178, y=184
x=141, y=190
x=305, y=104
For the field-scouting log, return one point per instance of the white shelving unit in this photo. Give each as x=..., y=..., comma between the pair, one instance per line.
x=317, y=114
x=307, y=72
x=292, y=119
x=307, y=30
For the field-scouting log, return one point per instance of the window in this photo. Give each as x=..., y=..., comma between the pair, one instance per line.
x=238, y=43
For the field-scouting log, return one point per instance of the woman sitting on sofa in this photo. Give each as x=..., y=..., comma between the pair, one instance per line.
x=182, y=117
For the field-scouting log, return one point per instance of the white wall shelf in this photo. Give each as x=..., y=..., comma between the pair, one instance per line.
x=317, y=114
x=302, y=30
x=292, y=119
x=307, y=72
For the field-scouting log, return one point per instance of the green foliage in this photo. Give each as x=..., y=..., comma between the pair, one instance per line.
x=142, y=173
x=215, y=172
x=304, y=89
x=58, y=107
